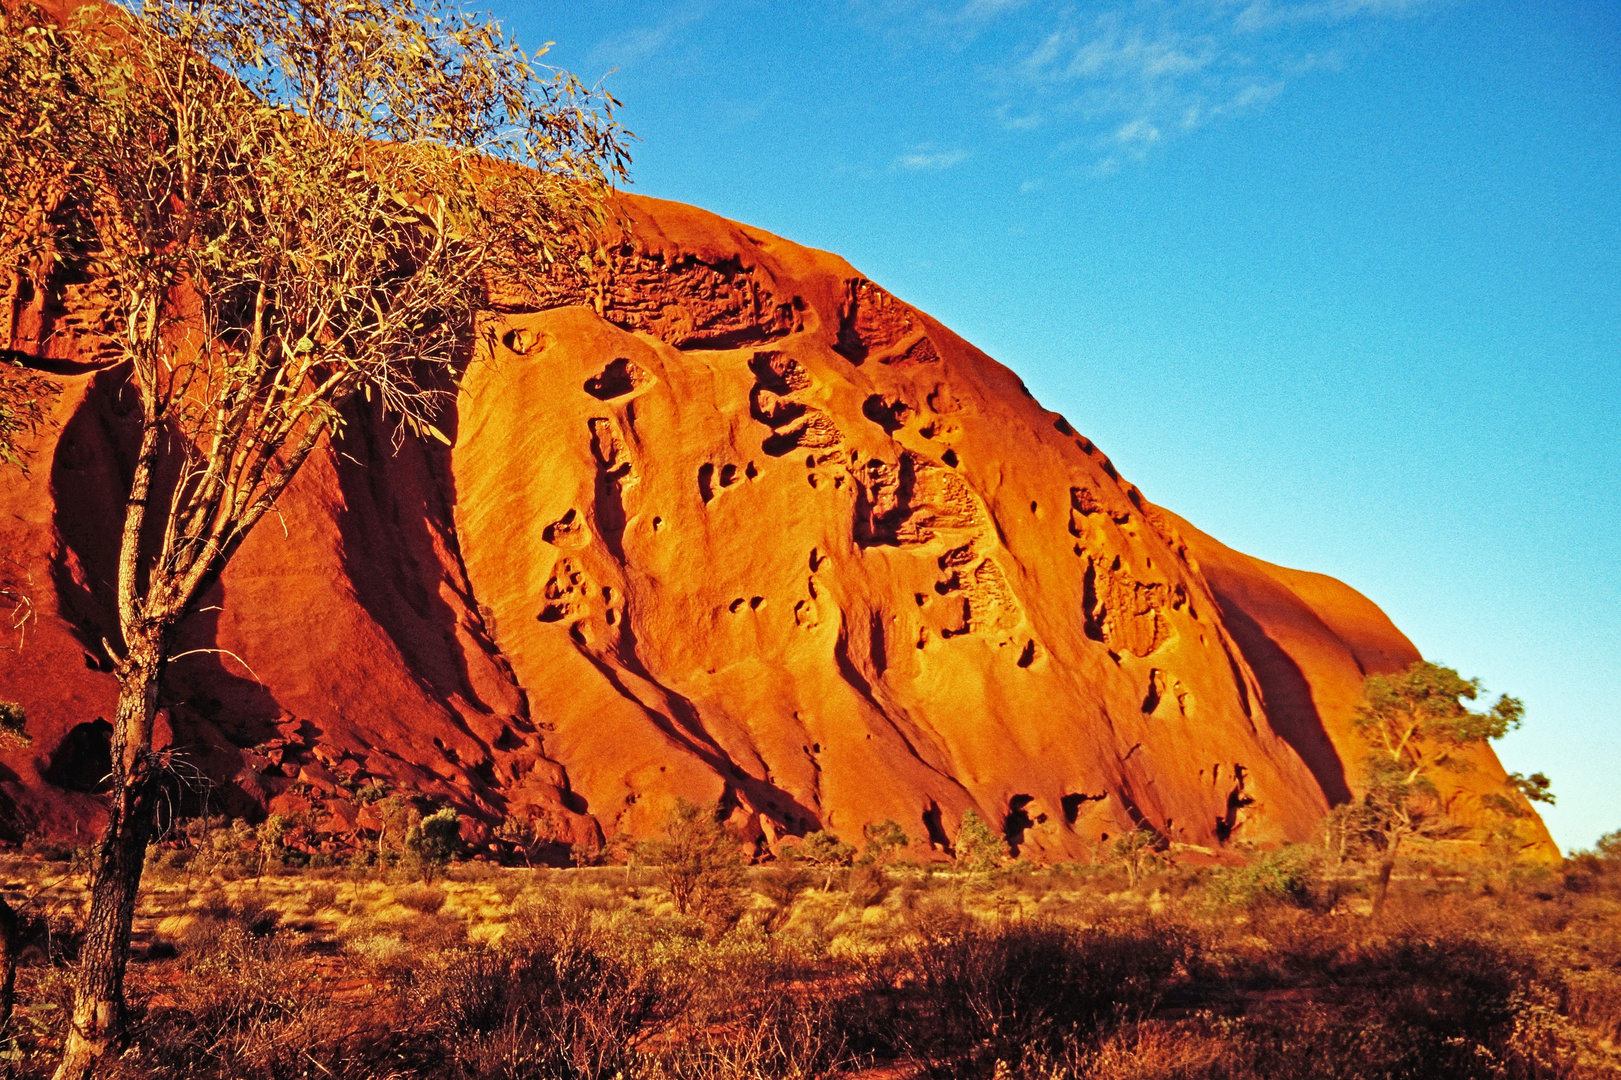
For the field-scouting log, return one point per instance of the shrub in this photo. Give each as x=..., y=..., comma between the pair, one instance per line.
x=869, y=885
x=554, y=1000
x=241, y=1009
x=781, y=885
x=1137, y=852
x=994, y=992
x=434, y=840
x=321, y=897
x=480, y=871
x=426, y=899
x=13, y=725
x=699, y=860
x=885, y=839
x=824, y=850
x=978, y=850
x=592, y=978
x=1285, y=876
x=270, y=835
x=781, y=1037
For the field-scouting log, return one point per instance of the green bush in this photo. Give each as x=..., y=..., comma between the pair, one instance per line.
x=1288, y=875
x=700, y=861
x=826, y=851
x=885, y=839
x=1137, y=852
x=434, y=840
x=977, y=850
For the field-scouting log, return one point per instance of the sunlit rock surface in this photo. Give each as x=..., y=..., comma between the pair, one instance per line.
x=731, y=523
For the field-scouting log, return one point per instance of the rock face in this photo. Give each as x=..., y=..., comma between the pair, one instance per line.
x=732, y=523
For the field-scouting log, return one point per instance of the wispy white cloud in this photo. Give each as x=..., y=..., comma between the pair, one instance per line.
x=1019, y=119
x=927, y=159
x=1124, y=81
x=1306, y=63
x=643, y=42
x=952, y=25
x=1139, y=131
x=982, y=10
x=1264, y=15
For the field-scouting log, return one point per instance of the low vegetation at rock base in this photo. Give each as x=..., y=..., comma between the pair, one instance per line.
x=857, y=964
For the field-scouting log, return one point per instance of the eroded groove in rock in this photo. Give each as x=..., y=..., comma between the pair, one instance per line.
x=872, y=321
x=683, y=299
x=1123, y=613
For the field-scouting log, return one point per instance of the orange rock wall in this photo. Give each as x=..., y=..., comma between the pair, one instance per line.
x=730, y=523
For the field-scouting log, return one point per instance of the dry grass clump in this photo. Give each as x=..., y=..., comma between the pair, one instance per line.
x=424, y=899
x=245, y=1006
x=556, y=998
x=960, y=993
x=1265, y=971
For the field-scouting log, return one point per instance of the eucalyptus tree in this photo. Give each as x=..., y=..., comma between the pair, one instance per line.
x=291, y=208
x=1416, y=723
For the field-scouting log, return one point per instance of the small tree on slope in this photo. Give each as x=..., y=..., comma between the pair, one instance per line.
x=1416, y=721
x=290, y=205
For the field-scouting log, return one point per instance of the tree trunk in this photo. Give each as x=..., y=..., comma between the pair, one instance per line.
x=1332, y=901
x=1381, y=887
x=115, y=875
x=9, y=943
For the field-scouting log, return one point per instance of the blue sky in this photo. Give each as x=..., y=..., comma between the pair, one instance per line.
x=1337, y=280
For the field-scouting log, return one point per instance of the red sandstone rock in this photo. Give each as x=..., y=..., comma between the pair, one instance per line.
x=344, y=816
x=290, y=805
x=735, y=524
x=324, y=780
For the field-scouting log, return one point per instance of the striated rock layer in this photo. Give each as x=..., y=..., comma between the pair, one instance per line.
x=731, y=523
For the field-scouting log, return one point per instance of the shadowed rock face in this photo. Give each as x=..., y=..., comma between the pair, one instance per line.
x=728, y=522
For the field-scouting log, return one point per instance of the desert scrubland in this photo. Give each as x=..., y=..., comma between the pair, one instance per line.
x=1134, y=965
